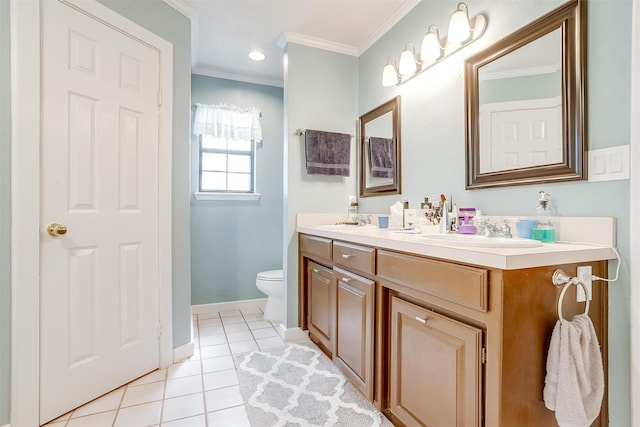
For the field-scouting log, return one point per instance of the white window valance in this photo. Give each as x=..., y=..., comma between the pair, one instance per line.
x=227, y=122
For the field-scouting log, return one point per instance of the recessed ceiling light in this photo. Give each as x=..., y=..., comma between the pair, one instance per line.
x=256, y=55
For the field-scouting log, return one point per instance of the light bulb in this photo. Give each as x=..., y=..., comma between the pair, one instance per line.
x=389, y=74
x=431, y=48
x=459, y=29
x=407, y=65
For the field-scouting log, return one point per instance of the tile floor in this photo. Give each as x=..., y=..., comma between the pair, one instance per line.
x=198, y=392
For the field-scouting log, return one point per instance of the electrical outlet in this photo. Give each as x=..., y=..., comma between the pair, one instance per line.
x=584, y=274
x=353, y=201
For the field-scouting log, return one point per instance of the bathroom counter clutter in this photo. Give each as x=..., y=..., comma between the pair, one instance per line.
x=504, y=258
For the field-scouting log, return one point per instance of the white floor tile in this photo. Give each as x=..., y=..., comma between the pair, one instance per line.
x=211, y=330
x=252, y=316
x=264, y=333
x=239, y=336
x=108, y=402
x=220, y=379
x=217, y=364
x=157, y=375
x=251, y=310
x=236, y=327
x=259, y=324
x=214, y=351
x=232, y=417
x=208, y=316
x=185, y=369
x=197, y=421
x=223, y=398
x=243, y=347
x=183, y=386
x=103, y=419
x=145, y=393
x=267, y=343
x=232, y=319
x=203, y=323
x=139, y=415
x=213, y=340
x=182, y=407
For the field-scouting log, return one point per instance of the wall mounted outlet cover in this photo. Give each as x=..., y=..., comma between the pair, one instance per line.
x=584, y=274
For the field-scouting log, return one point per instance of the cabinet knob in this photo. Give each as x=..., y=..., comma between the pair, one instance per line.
x=315, y=270
x=422, y=320
x=345, y=279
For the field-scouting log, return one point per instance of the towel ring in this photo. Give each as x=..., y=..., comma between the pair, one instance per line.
x=574, y=281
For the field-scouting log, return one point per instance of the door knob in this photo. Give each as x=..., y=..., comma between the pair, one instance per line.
x=56, y=229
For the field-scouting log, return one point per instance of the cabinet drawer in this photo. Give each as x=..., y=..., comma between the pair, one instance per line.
x=467, y=286
x=354, y=257
x=315, y=247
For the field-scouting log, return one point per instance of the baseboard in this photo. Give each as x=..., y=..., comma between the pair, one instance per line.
x=292, y=334
x=228, y=306
x=183, y=352
x=6, y=425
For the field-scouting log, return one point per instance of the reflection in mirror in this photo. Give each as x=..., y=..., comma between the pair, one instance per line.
x=380, y=150
x=524, y=100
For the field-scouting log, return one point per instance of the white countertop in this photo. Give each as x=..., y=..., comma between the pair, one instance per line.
x=501, y=258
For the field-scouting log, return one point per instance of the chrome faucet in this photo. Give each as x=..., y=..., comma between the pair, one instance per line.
x=485, y=228
x=362, y=219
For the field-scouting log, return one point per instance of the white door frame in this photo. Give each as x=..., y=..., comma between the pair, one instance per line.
x=634, y=212
x=25, y=196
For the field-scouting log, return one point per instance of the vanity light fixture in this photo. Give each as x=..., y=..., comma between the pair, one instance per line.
x=256, y=55
x=461, y=32
x=408, y=63
x=389, y=73
x=431, y=49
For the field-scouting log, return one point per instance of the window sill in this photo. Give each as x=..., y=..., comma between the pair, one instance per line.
x=226, y=196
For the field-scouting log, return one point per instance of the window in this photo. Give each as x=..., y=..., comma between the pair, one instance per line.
x=227, y=165
x=227, y=138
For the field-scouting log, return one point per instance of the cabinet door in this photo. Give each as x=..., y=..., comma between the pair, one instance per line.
x=435, y=368
x=354, y=331
x=322, y=305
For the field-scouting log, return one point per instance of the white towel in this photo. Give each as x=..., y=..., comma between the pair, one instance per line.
x=574, y=384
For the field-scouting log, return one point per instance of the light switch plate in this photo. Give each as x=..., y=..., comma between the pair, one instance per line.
x=609, y=164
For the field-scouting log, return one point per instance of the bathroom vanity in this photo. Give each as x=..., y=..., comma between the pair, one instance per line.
x=442, y=335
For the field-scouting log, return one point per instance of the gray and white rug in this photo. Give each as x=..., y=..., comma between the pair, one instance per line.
x=299, y=386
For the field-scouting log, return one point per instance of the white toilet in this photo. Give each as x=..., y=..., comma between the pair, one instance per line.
x=271, y=284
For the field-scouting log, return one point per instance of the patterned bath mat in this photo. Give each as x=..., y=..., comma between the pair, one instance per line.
x=299, y=386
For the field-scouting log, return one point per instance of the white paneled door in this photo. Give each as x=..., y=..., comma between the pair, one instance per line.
x=99, y=158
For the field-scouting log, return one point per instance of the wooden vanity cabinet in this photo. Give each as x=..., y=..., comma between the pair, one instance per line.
x=321, y=320
x=435, y=368
x=355, y=339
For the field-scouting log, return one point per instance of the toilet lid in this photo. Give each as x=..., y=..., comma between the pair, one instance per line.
x=270, y=275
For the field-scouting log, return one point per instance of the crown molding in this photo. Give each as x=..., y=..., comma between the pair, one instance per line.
x=291, y=37
x=392, y=20
x=265, y=81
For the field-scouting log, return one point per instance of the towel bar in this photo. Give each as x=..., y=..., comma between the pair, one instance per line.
x=560, y=278
x=303, y=131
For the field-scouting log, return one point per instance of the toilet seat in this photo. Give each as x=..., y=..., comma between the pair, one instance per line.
x=270, y=276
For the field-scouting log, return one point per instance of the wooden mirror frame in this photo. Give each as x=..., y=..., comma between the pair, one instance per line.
x=569, y=18
x=395, y=187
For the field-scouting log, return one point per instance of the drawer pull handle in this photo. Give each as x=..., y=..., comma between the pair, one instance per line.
x=346, y=279
x=421, y=320
x=315, y=270
x=347, y=256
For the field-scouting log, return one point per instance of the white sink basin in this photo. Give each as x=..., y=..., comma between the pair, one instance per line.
x=472, y=240
x=345, y=227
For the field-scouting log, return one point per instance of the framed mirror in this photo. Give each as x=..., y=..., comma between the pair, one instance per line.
x=524, y=95
x=380, y=171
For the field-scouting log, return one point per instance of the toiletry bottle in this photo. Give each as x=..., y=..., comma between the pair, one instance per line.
x=405, y=204
x=544, y=231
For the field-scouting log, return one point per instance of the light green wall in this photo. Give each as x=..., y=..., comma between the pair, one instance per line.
x=166, y=22
x=321, y=92
x=5, y=215
x=231, y=241
x=433, y=137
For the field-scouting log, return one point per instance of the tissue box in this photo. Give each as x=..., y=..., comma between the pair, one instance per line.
x=412, y=217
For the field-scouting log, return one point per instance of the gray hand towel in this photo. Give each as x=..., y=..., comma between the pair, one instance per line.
x=574, y=384
x=381, y=157
x=327, y=153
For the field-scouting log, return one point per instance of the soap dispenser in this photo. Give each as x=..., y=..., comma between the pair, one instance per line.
x=544, y=230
